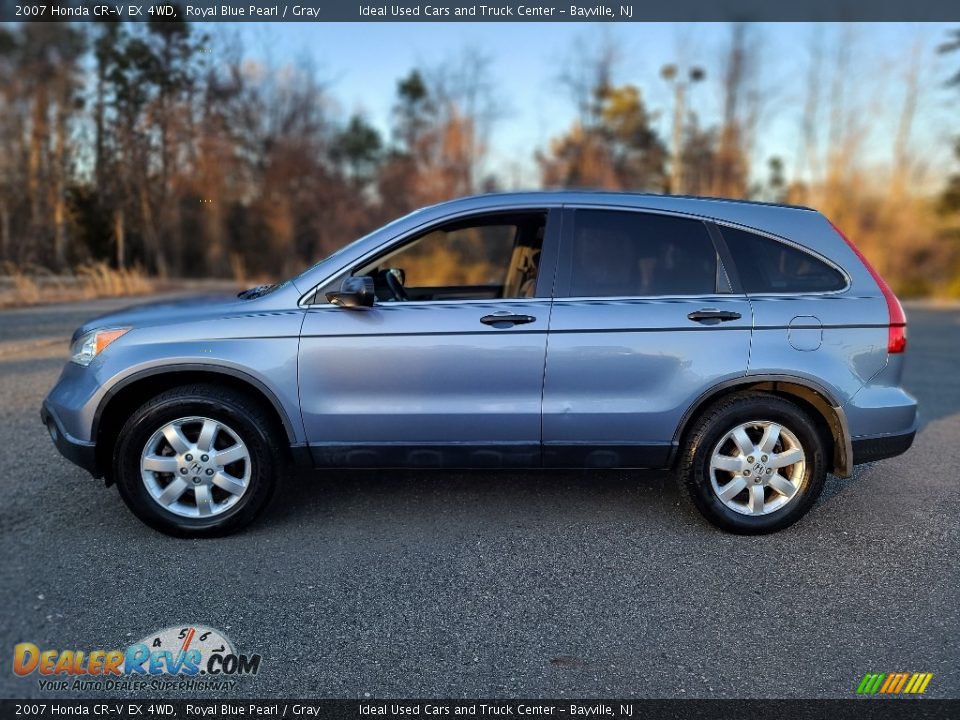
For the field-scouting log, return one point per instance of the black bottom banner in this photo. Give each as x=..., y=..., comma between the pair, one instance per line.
x=854, y=709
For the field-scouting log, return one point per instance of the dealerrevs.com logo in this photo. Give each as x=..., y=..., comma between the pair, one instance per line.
x=191, y=657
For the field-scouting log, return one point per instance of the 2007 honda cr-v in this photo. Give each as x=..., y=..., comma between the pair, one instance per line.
x=749, y=346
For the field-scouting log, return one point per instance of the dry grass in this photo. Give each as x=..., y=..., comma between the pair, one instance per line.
x=238, y=268
x=100, y=280
x=21, y=286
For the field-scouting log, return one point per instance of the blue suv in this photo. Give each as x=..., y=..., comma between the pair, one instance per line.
x=749, y=347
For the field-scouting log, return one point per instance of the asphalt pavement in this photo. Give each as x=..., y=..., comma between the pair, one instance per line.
x=459, y=585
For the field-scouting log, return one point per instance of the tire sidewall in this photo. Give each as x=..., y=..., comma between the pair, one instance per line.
x=749, y=410
x=151, y=417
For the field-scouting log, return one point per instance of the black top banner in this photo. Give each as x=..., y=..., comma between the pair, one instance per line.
x=489, y=11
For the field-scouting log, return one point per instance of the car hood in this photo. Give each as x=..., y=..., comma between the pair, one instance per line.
x=166, y=311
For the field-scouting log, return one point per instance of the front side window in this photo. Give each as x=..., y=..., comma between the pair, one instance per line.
x=476, y=255
x=623, y=254
x=491, y=257
x=766, y=265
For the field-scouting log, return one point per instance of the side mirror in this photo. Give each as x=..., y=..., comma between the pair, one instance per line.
x=355, y=292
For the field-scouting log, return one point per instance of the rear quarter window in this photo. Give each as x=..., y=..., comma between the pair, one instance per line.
x=770, y=266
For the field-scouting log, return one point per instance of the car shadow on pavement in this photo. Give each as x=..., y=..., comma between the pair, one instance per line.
x=652, y=499
x=503, y=498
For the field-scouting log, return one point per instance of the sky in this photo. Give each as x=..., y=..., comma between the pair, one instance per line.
x=363, y=61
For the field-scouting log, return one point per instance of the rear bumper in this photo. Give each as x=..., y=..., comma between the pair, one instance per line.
x=76, y=451
x=880, y=447
x=883, y=421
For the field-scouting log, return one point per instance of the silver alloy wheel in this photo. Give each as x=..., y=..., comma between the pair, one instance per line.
x=757, y=468
x=195, y=467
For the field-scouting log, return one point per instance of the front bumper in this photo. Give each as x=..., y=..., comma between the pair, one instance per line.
x=76, y=451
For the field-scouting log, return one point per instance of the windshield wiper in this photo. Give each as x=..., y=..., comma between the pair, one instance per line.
x=256, y=292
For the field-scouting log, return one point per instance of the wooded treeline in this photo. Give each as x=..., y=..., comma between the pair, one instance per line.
x=138, y=145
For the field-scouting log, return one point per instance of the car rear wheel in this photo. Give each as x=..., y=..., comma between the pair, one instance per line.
x=754, y=463
x=197, y=461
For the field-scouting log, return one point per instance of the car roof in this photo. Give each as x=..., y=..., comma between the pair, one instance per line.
x=792, y=222
x=588, y=196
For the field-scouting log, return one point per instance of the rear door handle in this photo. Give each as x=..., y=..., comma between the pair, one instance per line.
x=707, y=315
x=506, y=319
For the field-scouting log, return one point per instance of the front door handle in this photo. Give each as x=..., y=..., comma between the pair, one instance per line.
x=505, y=319
x=712, y=315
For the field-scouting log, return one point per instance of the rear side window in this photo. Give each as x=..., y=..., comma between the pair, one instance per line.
x=627, y=254
x=770, y=266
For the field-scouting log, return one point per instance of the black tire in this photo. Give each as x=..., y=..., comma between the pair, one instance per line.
x=244, y=416
x=722, y=417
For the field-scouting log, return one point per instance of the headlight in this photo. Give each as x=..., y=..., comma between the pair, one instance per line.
x=89, y=345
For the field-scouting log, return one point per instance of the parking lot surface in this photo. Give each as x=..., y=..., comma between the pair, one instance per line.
x=386, y=584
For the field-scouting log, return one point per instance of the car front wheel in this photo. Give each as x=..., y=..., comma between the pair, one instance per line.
x=754, y=463
x=197, y=461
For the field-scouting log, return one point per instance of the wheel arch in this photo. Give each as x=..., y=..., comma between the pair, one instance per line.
x=128, y=394
x=828, y=413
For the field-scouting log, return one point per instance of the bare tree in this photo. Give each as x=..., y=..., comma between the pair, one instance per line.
x=465, y=93
x=588, y=73
x=612, y=143
x=808, y=164
x=901, y=145
x=740, y=98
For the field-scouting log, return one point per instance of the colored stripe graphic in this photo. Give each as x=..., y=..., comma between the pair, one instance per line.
x=894, y=683
x=922, y=682
x=889, y=683
x=899, y=680
x=871, y=683
x=903, y=681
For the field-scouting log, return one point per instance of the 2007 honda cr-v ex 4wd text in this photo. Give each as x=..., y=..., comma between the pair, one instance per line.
x=750, y=347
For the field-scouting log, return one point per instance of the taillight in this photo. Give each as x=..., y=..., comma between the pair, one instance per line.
x=897, y=338
x=897, y=334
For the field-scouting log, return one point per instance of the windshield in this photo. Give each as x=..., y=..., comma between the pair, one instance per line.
x=350, y=246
